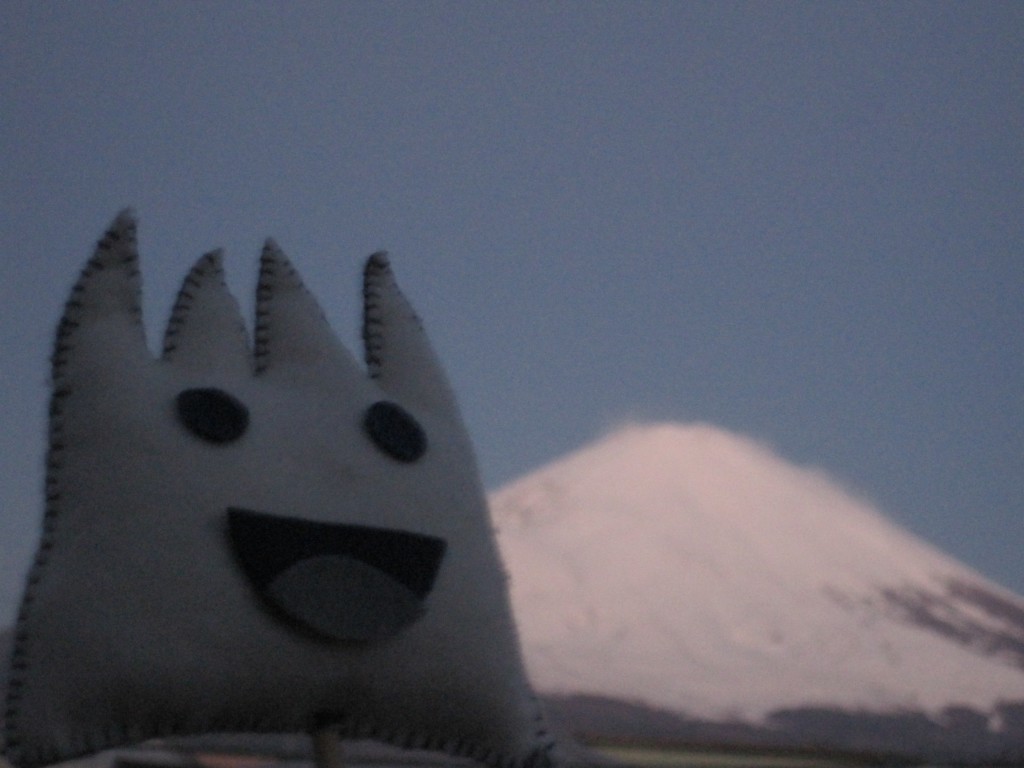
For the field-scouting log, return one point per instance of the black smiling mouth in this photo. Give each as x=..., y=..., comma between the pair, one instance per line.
x=340, y=581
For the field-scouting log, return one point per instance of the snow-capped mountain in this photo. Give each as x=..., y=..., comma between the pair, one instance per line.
x=695, y=571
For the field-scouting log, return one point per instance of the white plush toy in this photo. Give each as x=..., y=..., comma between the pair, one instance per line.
x=266, y=540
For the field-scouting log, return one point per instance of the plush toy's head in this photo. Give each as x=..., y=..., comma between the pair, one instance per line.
x=260, y=540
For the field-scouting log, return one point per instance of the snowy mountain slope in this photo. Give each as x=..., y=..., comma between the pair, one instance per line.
x=695, y=571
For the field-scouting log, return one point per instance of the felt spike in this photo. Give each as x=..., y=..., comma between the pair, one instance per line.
x=103, y=314
x=293, y=339
x=398, y=354
x=206, y=332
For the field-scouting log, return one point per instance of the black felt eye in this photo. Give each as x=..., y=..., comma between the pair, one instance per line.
x=212, y=414
x=395, y=431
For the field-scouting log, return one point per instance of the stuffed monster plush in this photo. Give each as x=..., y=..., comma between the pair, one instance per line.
x=267, y=541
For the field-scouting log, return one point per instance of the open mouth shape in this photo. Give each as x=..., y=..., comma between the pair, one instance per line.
x=342, y=582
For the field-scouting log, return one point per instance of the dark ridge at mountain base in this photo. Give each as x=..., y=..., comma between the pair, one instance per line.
x=958, y=735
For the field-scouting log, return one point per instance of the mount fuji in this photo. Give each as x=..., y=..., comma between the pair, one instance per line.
x=687, y=580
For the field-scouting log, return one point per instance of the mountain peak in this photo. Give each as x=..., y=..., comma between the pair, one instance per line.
x=696, y=570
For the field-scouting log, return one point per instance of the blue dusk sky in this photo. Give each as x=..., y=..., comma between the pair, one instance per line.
x=797, y=221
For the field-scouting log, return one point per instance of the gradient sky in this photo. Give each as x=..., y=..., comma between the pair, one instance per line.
x=797, y=221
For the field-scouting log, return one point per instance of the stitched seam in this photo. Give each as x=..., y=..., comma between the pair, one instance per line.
x=63, y=346
x=183, y=302
x=375, y=272
x=347, y=727
x=261, y=330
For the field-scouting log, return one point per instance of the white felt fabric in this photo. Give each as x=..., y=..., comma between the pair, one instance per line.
x=137, y=622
